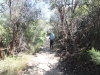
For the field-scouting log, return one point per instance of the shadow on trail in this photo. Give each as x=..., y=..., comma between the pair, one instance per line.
x=53, y=61
x=47, y=50
x=43, y=63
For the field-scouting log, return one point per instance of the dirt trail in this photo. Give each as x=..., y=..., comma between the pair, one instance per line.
x=43, y=63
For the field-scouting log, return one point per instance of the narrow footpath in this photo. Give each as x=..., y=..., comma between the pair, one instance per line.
x=43, y=63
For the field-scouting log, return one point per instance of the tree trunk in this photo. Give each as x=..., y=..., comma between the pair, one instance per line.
x=1, y=53
x=15, y=42
x=62, y=17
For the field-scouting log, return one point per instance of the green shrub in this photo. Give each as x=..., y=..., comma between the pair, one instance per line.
x=95, y=55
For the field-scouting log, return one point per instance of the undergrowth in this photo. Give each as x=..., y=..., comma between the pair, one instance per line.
x=13, y=65
x=95, y=55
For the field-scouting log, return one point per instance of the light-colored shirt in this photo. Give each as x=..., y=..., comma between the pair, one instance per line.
x=52, y=36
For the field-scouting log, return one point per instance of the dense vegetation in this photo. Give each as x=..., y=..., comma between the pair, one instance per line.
x=76, y=24
x=22, y=32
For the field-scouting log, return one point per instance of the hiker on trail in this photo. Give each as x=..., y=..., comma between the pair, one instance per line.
x=52, y=37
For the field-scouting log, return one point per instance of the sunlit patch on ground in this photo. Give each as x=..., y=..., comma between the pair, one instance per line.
x=43, y=63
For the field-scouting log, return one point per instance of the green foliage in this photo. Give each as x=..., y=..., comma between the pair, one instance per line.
x=82, y=10
x=31, y=30
x=95, y=55
x=4, y=34
x=40, y=39
x=2, y=30
x=7, y=36
x=35, y=35
x=13, y=65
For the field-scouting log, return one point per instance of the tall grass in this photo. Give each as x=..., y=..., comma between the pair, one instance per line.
x=13, y=65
